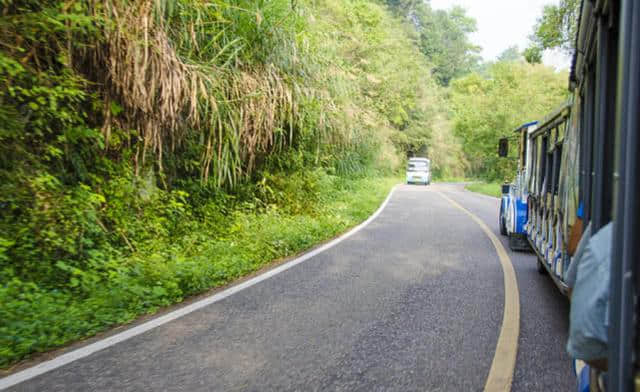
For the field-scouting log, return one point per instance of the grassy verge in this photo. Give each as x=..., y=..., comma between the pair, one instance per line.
x=490, y=189
x=451, y=179
x=212, y=253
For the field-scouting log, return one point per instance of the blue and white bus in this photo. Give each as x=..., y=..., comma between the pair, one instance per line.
x=547, y=204
x=513, y=206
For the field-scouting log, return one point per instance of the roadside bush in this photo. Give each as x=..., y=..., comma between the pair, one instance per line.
x=217, y=248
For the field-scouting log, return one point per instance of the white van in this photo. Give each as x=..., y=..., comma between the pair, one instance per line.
x=419, y=171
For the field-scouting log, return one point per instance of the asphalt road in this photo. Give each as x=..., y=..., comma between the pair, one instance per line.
x=542, y=363
x=411, y=302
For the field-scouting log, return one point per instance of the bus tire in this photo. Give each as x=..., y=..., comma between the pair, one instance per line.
x=513, y=243
x=541, y=269
x=503, y=226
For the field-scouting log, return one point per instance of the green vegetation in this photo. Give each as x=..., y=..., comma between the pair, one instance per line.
x=220, y=241
x=443, y=37
x=490, y=189
x=556, y=28
x=488, y=108
x=510, y=54
x=153, y=149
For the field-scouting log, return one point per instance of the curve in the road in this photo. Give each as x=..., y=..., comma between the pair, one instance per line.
x=504, y=361
x=85, y=351
x=380, y=326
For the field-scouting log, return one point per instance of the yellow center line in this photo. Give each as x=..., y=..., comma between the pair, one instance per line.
x=504, y=360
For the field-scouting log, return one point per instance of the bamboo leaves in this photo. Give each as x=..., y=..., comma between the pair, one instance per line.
x=151, y=62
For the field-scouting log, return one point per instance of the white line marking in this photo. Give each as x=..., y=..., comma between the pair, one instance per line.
x=85, y=351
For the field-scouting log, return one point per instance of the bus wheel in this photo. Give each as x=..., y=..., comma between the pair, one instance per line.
x=541, y=269
x=503, y=227
x=514, y=243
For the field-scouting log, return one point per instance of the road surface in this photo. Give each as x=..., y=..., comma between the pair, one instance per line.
x=412, y=302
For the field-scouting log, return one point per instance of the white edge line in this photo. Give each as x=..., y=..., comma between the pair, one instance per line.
x=85, y=351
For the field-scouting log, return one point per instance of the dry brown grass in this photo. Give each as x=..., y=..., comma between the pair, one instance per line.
x=239, y=113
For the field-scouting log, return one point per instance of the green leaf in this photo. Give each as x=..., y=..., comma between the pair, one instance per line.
x=115, y=108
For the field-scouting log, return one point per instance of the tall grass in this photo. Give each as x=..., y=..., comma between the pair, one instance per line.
x=220, y=73
x=232, y=82
x=490, y=189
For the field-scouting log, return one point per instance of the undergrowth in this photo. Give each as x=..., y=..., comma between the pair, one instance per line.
x=152, y=149
x=219, y=241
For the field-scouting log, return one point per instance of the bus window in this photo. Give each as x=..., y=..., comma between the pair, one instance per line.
x=523, y=148
x=534, y=166
x=543, y=166
x=556, y=169
x=569, y=184
x=551, y=164
x=604, y=126
x=587, y=145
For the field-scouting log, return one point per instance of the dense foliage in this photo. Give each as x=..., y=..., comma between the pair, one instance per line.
x=443, y=37
x=556, y=28
x=361, y=42
x=489, y=107
x=151, y=149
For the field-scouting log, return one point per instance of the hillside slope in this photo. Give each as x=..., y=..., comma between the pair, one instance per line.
x=151, y=150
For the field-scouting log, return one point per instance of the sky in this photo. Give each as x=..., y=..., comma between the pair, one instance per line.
x=504, y=23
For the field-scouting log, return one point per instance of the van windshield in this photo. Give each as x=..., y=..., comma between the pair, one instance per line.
x=418, y=166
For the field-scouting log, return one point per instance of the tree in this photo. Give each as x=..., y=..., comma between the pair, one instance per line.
x=533, y=55
x=487, y=108
x=443, y=37
x=556, y=28
x=403, y=5
x=510, y=54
